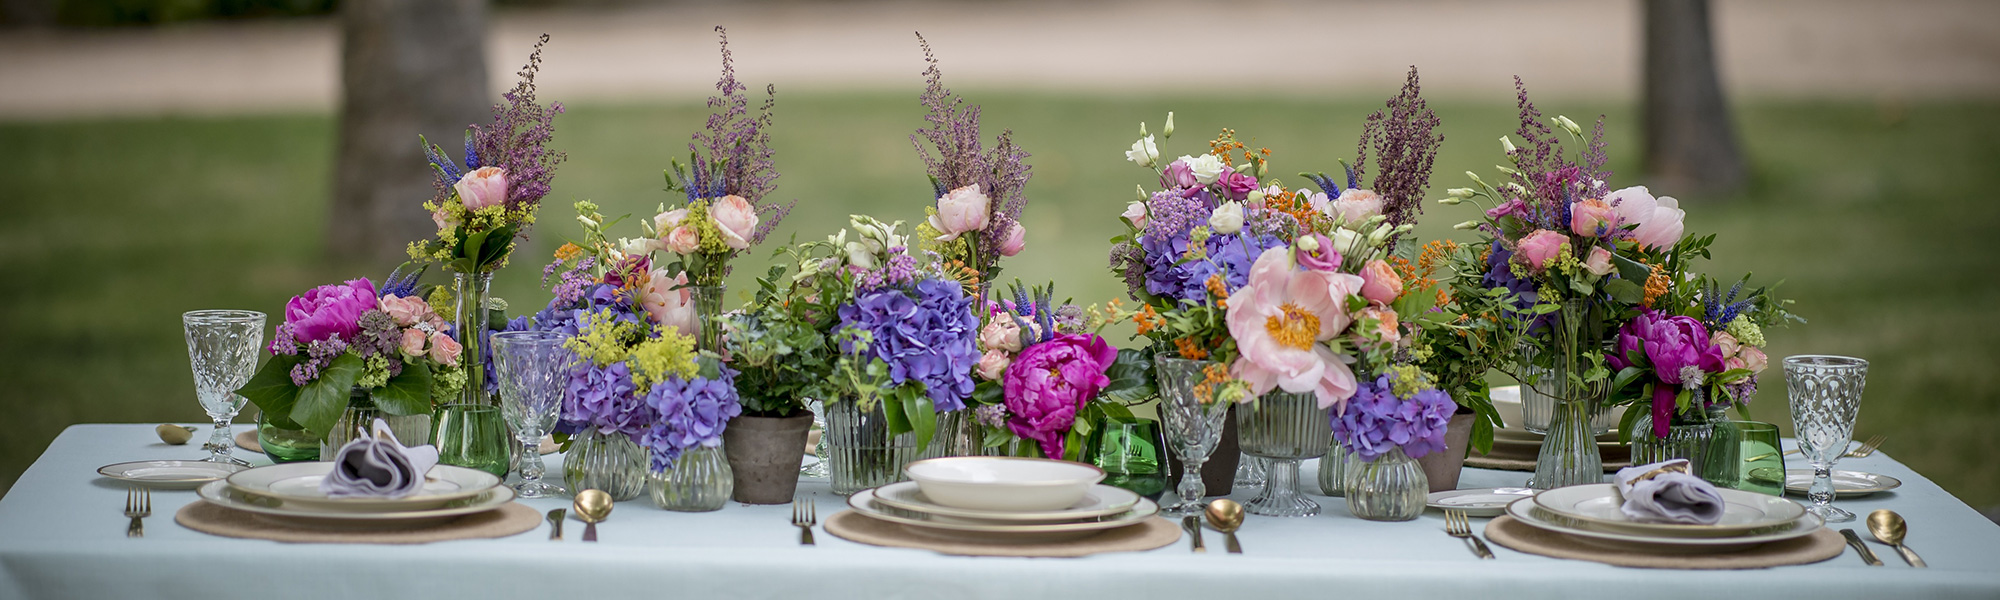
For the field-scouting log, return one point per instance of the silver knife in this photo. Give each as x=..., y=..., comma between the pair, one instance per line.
x=1193, y=526
x=1867, y=556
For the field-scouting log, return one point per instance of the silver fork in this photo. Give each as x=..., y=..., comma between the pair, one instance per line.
x=138, y=505
x=805, y=515
x=1867, y=448
x=1457, y=525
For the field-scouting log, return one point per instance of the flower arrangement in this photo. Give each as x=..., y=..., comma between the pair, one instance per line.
x=979, y=192
x=338, y=338
x=1047, y=375
x=729, y=172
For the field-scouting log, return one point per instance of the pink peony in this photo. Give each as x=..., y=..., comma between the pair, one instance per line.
x=413, y=342
x=444, y=350
x=1664, y=228
x=1633, y=205
x=1278, y=320
x=1016, y=241
x=1235, y=186
x=1379, y=282
x=1178, y=175
x=1136, y=213
x=736, y=219
x=993, y=364
x=483, y=187
x=669, y=302
x=330, y=311
x=1599, y=262
x=1001, y=334
x=961, y=210
x=1322, y=257
x=682, y=240
x=1591, y=218
x=1049, y=382
x=1539, y=247
x=1356, y=205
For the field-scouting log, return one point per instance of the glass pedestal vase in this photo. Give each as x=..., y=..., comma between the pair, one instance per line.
x=1390, y=488
x=1333, y=469
x=698, y=481
x=1251, y=470
x=1283, y=429
x=286, y=445
x=1194, y=426
x=358, y=419
x=607, y=462
x=860, y=452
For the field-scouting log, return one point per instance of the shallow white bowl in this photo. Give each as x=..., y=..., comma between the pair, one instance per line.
x=1003, y=483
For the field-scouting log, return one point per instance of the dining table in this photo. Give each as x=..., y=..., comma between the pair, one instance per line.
x=63, y=535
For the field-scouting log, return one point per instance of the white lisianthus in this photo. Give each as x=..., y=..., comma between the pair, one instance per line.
x=1227, y=219
x=1143, y=152
x=858, y=255
x=1205, y=167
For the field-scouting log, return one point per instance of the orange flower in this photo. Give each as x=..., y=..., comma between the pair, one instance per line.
x=1656, y=285
x=1189, y=350
x=568, y=252
x=1148, y=319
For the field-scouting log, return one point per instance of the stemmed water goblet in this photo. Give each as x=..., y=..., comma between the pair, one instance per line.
x=1193, y=417
x=222, y=350
x=1825, y=394
x=530, y=367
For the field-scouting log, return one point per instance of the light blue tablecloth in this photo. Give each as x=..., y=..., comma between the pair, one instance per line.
x=61, y=536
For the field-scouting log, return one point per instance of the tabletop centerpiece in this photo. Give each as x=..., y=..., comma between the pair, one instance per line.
x=1047, y=377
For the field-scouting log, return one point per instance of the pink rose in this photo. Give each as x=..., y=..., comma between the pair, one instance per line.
x=413, y=342
x=1379, y=282
x=736, y=219
x=1001, y=334
x=1540, y=247
x=1663, y=229
x=1384, y=331
x=444, y=350
x=1235, y=186
x=1599, y=262
x=483, y=187
x=406, y=310
x=667, y=221
x=669, y=306
x=1728, y=343
x=438, y=218
x=1591, y=218
x=961, y=210
x=1178, y=175
x=993, y=364
x=1322, y=256
x=1356, y=205
x=1017, y=240
x=1136, y=213
x=1753, y=359
x=682, y=240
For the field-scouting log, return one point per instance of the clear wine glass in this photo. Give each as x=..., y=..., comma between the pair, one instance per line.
x=531, y=368
x=817, y=469
x=1194, y=427
x=1825, y=396
x=222, y=349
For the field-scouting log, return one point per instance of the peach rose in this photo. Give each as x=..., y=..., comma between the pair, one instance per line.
x=413, y=342
x=483, y=187
x=669, y=306
x=1599, y=262
x=1539, y=247
x=1001, y=334
x=1753, y=359
x=1386, y=331
x=1356, y=205
x=1017, y=240
x=961, y=210
x=1379, y=282
x=682, y=240
x=406, y=311
x=1726, y=343
x=736, y=219
x=444, y=350
x=993, y=364
x=1591, y=217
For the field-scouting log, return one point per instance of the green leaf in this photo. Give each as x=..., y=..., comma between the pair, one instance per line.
x=271, y=389
x=1631, y=417
x=922, y=415
x=408, y=393
x=1131, y=377
x=497, y=243
x=1625, y=377
x=1623, y=290
x=469, y=246
x=321, y=402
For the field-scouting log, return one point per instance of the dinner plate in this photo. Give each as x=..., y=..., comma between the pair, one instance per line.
x=1527, y=512
x=310, y=515
x=1100, y=501
x=865, y=503
x=169, y=474
x=1598, y=504
x=1845, y=483
x=298, y=484
x=1481, y=502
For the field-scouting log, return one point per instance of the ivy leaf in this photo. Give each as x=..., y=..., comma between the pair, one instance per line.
x=408, y=393
x=271, y=389
x=321, y=402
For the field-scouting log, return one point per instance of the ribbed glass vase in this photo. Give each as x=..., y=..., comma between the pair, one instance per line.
x=1283, y=429
x=1390, y=488
x=1701, y=442
x=359, y=418
x=698, y=481
x=1333, y=469
x=860, y=452
x=1569, y=454
x=957, y=434
x=607, y=462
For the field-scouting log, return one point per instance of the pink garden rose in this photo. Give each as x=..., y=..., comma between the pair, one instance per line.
x=413, y=342
x=682, y=240
x=444, y=350
x=1236, y=186
x=961, y=210
x=1001, y=334
x=330, y=311
x=1322, y=256
x=1541, y=246
x=667, y=221
x=1753, y=359
x=1016, y=241
x=1599, y=262
x=1279, y=319
x=1049, y=382
x=1379, y=282
x=1178, y=175
x=406, y=310
x=1383, y=328
x=1727, y=343
x=1136, y=213
x=736, y=219
x=483, y=187
x=1591, y=218
x=993, y=364
x=671, y=307
x=1356, y=205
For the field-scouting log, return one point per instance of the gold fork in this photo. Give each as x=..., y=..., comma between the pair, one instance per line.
x=805, y=515
x=138, y=505
x=1867, y=448
x=1457, y=525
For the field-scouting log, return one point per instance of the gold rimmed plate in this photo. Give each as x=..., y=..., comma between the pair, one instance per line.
x=1527, y=512
x=228, y=496
x=1846, y=484
x=1598, y=504
x=1100, y=501
x=169, y=474
x=298, y=485
x=864, y=503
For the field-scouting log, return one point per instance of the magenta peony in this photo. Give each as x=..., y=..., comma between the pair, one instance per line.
x=1539, y=247
x=330, y=311
x=1678, y=350
x=1278, y=320
x=1049, y=382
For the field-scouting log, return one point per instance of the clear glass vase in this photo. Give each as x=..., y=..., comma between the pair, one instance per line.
x=1283, y=429
x=1569, y=454
x=1538, y=409
x=698, y=481
x=608, y=462
x=468, y=328
x=707, y=301
x=860, y=452
x=1251, y=471
x=358, y=419
x=1698, y=440
x=1390, y=488
x=957, y=434
x=1333, y=468
x=1194, y=426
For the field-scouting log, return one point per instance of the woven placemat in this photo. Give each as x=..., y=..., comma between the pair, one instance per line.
x=247, y=440
x=1508, y=463
x=1147, y=535
x=511, y=519
x=1821, y=545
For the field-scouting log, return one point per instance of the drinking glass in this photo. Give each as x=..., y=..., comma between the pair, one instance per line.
x=222, y=348
x=1128, y=449
x=817, y=469
x=1825, y=397
x=1194, y=425
x=1763, y=469
x=530, y=367
x=472, y=436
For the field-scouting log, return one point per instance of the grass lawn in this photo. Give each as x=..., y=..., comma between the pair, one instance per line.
x=110, y=229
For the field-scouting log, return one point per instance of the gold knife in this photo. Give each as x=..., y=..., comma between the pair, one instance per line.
x=1193, y=526
x=1867, y=556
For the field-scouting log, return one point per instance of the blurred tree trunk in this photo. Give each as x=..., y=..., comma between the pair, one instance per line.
x=1690, y=141
x=408, y=67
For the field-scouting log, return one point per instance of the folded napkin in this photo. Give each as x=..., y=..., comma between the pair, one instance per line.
x=1664, y=492
x=378, y=466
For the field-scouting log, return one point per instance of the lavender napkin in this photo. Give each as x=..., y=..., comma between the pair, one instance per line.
x=378, y=466
x=1664, y=492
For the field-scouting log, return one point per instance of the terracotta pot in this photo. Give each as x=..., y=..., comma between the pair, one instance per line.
x=1442, y=468
x=763, y=455
x=1218, y=473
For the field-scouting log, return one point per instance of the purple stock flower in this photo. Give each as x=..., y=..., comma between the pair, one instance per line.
x=692, y=413
x=1049, y=382
x=1376, y=421
x=927, y=335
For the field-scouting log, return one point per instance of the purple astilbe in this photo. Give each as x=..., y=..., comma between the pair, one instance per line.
x=733, y=156
x=1405, y=145
x=517, y=141
x=961, y=160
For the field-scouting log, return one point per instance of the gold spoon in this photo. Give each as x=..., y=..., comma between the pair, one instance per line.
x=592, y=506
x=1226, y=515
x=1889, y=527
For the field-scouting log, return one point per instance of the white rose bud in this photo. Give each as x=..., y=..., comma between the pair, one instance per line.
x=1143, y=153
x=1227, y=219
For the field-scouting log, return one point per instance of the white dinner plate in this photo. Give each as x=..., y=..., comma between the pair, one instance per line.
x=864, y=503
x=298, y=484
x=169, y=474
x=228, y=496
x=1598, y=504
x=1481, y=502
x=1100, y=501
x=1845, y=483
x=1527, y=512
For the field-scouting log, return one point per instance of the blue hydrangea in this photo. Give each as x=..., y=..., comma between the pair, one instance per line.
x=1377, y=421
x=927, y=335
x=692, y=413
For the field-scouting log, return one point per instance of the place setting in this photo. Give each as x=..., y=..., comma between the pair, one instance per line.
x=1003, y=506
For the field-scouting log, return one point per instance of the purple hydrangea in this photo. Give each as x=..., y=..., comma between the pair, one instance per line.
x=603, y=398
x=1377, y=421
x=927, y=335
x=692, y=413
x=1169, y=274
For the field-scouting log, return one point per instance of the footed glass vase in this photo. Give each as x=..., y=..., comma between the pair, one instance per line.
x=861, y=453
x=1194, y=419
x=1283, y=429
x=608, y=462
x=1390, y=488
x=698, y=481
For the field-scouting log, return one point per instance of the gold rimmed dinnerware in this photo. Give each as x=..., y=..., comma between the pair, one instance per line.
x=1846, y=484
x=1226, y=515
x=169, y=474
x=805, y=514
x=298, y=484
x=311, y=515
x=1098, y=501
x=865, y=504
x=1528, y=513
x=1598, y=505
x=1478, y=502
x=138, y=506
x=1457, y=525
x=1889, y=528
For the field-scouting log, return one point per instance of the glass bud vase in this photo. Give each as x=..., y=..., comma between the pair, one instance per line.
x=707, y=300
x=468, y=328
x=607, y=462
x=358, y=419
x=860, y=452
x=1569, y=454
x=698, y=481
x=1194, y=420
x=1333, y=469
x=1390, y=488
x=1283, y=429
x=285, y=445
